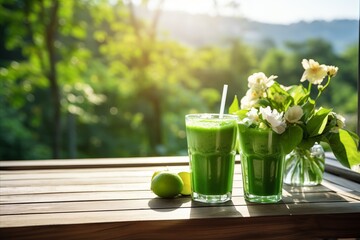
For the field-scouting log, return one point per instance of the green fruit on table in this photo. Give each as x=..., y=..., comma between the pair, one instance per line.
x=185, y=176
x=166, y=184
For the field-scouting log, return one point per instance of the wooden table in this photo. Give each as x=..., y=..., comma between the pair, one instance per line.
x=110, y=199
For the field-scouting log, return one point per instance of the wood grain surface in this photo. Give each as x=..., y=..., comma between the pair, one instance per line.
x=111, y=199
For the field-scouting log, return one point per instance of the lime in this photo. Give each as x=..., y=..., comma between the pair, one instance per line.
x=159, y=171
x=185, y=176
x=166, y=184
x=155, y=173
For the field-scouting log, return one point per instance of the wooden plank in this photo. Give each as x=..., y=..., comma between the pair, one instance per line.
x=75, y=188
x=83, y=196
x=99, y=178
x=80, y=179
x=316, y=197
x=118, y=186
x=130, y=215
x=86, y=173
x=94, y=163
x=74, y=181
x=295, y=189
x=111, y=195
x=229, y=211
x=88, y=202
x=121, y=195
x=278, y=227
x=146, y=203
x=159, y=161
x=78, y=196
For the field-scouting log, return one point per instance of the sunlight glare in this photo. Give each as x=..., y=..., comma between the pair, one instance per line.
x=189, y=6
x=276, y=11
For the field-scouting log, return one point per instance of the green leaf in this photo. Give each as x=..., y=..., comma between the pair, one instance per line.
x=355, y=137
x=263, y=102
x=241, y=113
x=299, y=94
x=308, y=109
x=279, y=98
x=291, y=138
x=307, y=143
x=331, y=123
x=317, y=123
x=234, y=107
x=344, y=147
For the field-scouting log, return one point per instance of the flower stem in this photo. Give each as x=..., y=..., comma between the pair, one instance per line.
x=323, y=88
x=309, y=87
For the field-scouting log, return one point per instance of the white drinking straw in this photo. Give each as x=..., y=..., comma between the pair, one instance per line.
x=223, y=99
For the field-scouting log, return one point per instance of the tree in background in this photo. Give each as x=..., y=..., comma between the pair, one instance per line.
x=46, y=36
x=124, y=86
x=33, y=28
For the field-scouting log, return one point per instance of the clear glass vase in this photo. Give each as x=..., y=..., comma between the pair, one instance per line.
x=305, y=167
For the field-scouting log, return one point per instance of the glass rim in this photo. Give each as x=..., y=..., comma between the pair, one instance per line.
x=211, y=116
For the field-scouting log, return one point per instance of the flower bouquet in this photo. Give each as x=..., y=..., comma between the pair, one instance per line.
x=291, y=112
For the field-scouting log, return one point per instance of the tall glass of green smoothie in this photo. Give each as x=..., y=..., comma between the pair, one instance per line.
x=262, y=163
x=211, y=142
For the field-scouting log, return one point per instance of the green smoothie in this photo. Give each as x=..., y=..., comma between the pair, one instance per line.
x=262, y=161
x=211, y=146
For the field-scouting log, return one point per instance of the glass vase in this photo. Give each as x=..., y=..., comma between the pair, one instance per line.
x=305, y=167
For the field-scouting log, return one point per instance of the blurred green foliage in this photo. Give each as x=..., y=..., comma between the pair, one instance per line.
x=124, y=89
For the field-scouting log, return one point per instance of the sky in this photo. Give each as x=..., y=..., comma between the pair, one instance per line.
x=273, y=11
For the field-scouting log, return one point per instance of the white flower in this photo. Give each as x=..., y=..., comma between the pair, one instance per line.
x=274, y=118
x=340, y=122
x=314, y=72
x=294, y=114
x=332, y=70
x=254, y=94
x=247, y=103
x=253, y=115
x=259, y=81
